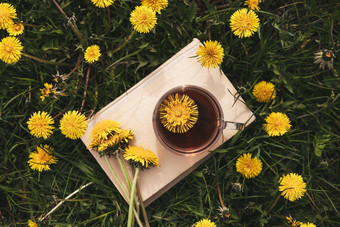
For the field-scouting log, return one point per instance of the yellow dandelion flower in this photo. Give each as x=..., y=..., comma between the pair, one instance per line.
x=253, y=4
x=125, y=136
x=15, y=29
x=292, y=186
x=7, y=14
x=32, y=224
x=107, y=134
x=102, y=3
x=92, y=53
x=143, y=19
x=211, y=54
x=10, y=50
x=46, y=91
x=113, y=140
x=277, y=124
x=293, y=222
x=42, y=158
x=178, y=113
x=155, y=5
x=244, y=23
x=40, y=124
x=248, y=167
x=264, y=91
x=141, y=156
x=307, y=225
x=73, y=124
x=110, y=142
x=105, y=128
x=205, y=223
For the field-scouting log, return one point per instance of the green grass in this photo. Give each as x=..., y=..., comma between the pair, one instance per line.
x=282, y=52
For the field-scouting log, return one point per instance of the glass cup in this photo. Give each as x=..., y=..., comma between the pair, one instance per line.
x=206, y=131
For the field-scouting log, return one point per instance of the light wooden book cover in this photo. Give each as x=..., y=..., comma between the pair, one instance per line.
x=134, y=110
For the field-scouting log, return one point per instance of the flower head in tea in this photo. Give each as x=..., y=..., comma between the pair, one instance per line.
x=108, y=135
x=178, y=113
x=264, y=91
x=143, y=19
x=247, y=166
x=10, y=49
x=155, y=5
x=277, y=124
x=42, y=158
x=211, y=54
x=141, y=156
x=292, y=186
x=244, y=23
x=205, y=223
x=253, y=4
x=73, y=124
x=7, y=14
x=40, y=124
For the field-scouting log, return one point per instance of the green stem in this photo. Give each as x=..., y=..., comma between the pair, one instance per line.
x=128, y=182
x=125, y=172
x=273, y=205
x=132, y=197
x=123, y=189
x=116, y=177
x=70, y=22
x=145, y=215
x=125, y=42
x=45, y=61
x=75, y=29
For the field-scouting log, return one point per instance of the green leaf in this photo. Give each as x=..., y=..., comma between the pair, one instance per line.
x=181, y=7
x=192, y=11
x=320, y=143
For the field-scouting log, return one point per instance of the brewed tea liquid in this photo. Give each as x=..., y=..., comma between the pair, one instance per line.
x=202, y=133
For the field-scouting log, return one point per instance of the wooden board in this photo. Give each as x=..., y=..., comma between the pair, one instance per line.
x=134, y=110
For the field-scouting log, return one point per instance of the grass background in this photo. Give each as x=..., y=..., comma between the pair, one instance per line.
x=281, y=51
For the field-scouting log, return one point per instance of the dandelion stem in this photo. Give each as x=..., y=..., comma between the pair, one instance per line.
x=219, y=193
x=60, y=203
x=273, y=205
x=123, y=190
x=95, y=103
x=45, y=61
x=75, y=68
x=132, y=197
x=63, y=111
x=86, y=82
x=125, y=42
x=69, y=22
x=116, y=177
x=145, y=215
x=128, y=182
x=125, y=173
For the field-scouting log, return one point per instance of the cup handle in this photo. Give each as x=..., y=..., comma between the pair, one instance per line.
x=230, y=125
